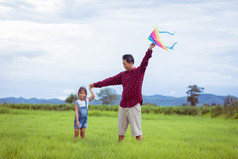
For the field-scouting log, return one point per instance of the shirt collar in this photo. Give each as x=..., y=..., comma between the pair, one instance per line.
x=131, y=70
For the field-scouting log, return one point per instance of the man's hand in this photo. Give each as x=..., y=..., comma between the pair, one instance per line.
x=152, y=45
x=91, y=85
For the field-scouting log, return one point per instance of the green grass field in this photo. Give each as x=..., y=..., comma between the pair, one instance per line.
x=49, y=134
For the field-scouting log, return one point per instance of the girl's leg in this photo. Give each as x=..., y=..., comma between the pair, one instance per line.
x=76, y=133
x=82, y=133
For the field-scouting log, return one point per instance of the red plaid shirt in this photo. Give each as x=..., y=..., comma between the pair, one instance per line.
x=131, y=82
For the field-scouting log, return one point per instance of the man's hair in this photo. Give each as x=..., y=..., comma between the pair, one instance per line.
x=128, y=57
x=82, y=89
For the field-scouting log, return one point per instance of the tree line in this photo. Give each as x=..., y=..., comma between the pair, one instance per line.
x=213, y=111
x=108, y=96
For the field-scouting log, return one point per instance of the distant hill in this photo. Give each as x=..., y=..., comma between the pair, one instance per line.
x=178, y=101
x=169, y=101
x=154, y=99
x=30, y=101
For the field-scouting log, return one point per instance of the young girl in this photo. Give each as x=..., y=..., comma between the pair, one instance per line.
x=81, y=112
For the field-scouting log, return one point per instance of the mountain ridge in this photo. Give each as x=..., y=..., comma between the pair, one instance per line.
x=153, y=99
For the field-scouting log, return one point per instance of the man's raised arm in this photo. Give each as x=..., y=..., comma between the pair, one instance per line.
x=146, y=58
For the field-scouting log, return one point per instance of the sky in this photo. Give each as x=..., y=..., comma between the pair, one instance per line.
x=48, y=49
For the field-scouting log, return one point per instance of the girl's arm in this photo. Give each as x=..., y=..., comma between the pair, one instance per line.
x=76, y=114
x=93, y=95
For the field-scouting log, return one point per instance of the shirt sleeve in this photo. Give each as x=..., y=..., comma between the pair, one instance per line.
x=115, y=80
x=76, y=102
x=145, y=61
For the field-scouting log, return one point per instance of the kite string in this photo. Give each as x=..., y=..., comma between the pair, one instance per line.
x=172, y=47
x=167, y=32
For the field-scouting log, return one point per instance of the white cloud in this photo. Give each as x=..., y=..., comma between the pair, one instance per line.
x=46, y=6
x=69, y=91
x=173, y=92
x=61, y=45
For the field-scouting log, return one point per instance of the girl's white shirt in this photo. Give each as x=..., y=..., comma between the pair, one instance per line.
x=83, y=103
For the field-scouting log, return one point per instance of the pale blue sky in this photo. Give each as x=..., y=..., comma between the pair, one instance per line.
x=48, y=49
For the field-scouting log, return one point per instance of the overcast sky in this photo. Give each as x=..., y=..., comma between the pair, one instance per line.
x=49, y=48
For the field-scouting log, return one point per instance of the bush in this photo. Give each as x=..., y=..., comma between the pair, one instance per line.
x=235, y=116
x=4, y=110
x=148, y=109
x=180, y=110
x=231, y=109
x=157, y=110
x=206, y=104
x=59, y=107
x=188, y=110
x=205, y=110
x=168, y=110
x=230, y=112
x=216, y=111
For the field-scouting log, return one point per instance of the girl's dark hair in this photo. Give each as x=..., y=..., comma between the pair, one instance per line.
x=128, y=57
x=82, y=89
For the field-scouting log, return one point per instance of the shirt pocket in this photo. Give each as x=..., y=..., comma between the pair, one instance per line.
x=138, y=108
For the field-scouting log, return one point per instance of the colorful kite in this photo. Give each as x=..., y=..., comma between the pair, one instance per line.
x=155, y=38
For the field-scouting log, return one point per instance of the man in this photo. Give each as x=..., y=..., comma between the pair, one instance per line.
x=130, y=105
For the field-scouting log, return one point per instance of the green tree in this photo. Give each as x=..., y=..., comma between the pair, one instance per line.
x=108, y=96
x=228, y=101
x=71, y=98
x=193, y=93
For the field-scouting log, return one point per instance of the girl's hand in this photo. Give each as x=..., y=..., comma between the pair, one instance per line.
x=90, y=89
x=77, y=124
x=91, y=86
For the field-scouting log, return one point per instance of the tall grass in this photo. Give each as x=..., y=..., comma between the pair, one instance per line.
x=213, y=111
x=49, y=134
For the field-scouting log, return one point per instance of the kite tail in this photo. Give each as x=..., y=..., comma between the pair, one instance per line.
x=167, y=32
x=172, y=47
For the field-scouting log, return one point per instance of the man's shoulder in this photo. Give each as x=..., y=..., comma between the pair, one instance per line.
x=135, y=69
x=121, y=73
